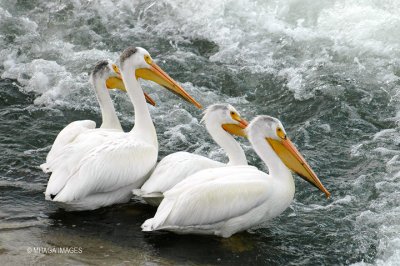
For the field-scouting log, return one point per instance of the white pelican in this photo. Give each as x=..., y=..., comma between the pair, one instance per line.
x=107, y=174
x=220, y=120
x=103, y=77
x=223, y=201
x=67, y=155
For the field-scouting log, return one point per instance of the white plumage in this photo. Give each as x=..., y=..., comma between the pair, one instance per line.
x=223, y=201
x=177, y=166
x=102, y=169
x=108, y=170
x=102, y=71
x=66, y=136
x=65, y=164
x=218, y=201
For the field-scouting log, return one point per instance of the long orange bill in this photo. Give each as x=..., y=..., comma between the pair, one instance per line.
x=236, y=129
x=156, y=74
x=149, y=99
x=243, y=123
x=292, y=158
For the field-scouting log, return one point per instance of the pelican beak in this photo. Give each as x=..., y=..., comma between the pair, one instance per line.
x=149, y=100
x=117, y=83
x=292, y=158
x=157, y=75
x=236, y=129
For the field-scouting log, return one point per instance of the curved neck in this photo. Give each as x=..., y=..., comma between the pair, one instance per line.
x=282, y=179
x=226, y=141
x=277, y=169
x=108, y=115
x=143, y=124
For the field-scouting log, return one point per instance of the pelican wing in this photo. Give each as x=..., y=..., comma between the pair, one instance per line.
x=66, y=136
x=83, y=144
x=174, y=168
x=70, y=155
x=115, y=164
x=212, y=196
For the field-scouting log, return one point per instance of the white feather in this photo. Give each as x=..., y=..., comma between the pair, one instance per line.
x=173, y=169
x=223, y=201
x=102, y=168
x=110, y=167
x=70, y=156
x=65, y=137
x=177, y=166
x=209, y=200
x=69, y=134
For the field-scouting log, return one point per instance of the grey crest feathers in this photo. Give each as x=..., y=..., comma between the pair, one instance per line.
x=127, y=53
x=213, y=108
x=258, y=122
x=100, y=67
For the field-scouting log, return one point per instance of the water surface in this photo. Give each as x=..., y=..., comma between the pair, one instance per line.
x=329, y=70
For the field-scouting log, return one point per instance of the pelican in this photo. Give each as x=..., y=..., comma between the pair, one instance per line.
x=107, y=174
x=220, y=120
x=223, y=201
x=67, y=155
x=103, y=77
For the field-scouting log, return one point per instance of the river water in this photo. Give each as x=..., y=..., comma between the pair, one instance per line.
x=329, y=70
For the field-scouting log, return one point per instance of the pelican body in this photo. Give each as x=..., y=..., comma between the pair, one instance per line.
x=223, y=201
x=102, y=78
x=74, y=141
x=106, y=174
x=221, y=120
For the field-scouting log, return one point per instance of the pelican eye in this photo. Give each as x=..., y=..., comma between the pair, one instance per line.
x=280, y=133
x=235, y=116
x=148, y=60
x=115, y=68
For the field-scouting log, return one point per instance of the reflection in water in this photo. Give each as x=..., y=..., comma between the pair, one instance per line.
x=118, y=228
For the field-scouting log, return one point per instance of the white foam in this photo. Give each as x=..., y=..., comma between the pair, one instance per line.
x=249, y=35
x=299, y=42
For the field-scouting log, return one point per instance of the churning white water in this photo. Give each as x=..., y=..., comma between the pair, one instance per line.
x=330, y=70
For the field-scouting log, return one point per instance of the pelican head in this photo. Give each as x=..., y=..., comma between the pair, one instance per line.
x=226, y=116
x=105, y=71
x=140, y=61
x=271, y=129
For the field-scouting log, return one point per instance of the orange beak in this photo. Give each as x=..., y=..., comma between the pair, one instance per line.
x=292, y=158
x=236, y=129
x=156, y=74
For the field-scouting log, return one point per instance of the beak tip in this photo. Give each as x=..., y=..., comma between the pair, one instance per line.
x=243, y=123
x=327, y=194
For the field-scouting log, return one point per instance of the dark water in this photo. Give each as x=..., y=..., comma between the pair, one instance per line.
x=330, y=71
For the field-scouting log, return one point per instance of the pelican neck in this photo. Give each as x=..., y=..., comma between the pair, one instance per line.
x=108, y=115
x=226, y=141
x=143, y=124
